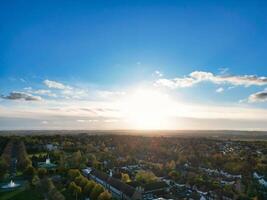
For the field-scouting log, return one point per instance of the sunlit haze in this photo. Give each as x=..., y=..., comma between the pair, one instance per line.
x=137, y=65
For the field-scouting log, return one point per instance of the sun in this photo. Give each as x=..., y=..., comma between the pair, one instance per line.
x=147, y=109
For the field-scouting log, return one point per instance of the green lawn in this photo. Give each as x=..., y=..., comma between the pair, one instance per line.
x=21, y=194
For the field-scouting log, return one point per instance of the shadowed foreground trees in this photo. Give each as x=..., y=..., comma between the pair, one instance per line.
x=49, y=190
x=80, y=186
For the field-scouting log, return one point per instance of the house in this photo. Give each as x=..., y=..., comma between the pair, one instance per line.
x=117, y=188
x=123, y=191
x=151, y=190
x=51, y=147
x=154, y=189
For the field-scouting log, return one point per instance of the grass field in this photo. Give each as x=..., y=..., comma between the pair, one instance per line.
x=20, y=194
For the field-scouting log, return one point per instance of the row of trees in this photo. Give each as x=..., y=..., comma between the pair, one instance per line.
x=5, y=158
x=48, y=188
x=23, y=159
x=80, y=185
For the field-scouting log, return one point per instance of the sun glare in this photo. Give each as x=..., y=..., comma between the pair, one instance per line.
x=147, y=109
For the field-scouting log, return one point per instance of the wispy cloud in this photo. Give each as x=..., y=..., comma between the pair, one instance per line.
x=22, y=80
x=223, y=70
x=86, y=120
x=21, y=96
x=110, y=94
x=65, y=91
x=17, y=79
x=110, y=120
x=41, y=92
x=220, y=90
x=202, y=76
x=157, y=73
x=80, y=120
x=56, y=85
x=258, y=97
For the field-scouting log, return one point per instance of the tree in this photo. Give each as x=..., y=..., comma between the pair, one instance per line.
x=83, y=181
x=42, y=172
x=76, y=159
x=35, y=180
x=62, y=162
x=3, y=167
x=125, y=178
x=54, y=194
x=145, y=177
x=23, y=158
x=71, y=186
x=170, y=165
x=174, y=175
x=73, y=173
x=47, y=184
x=29, y=171
x=88, y=188
x=80, y=180
x=97, y=190
x=104, y=196
x=75, y=189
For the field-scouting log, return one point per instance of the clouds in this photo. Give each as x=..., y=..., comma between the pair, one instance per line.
x=91, y=107
x=197, y=77
x=158, y=73
x=202, y=76
x=105, y=94
x=73, y=115
x=56, y=85
x=21, y=96
x=54, y=90
x=63, y=91
x=86, y=121
x=223, y=70
x=42, y=92
x=258, y=97
x=219, y=90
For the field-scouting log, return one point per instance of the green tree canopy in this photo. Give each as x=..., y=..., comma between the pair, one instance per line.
x=174, y=175
x=73, y=173
x=145, y=177
x=104, y=196
x=125, y=178
x=89, y=187
x=97, y=190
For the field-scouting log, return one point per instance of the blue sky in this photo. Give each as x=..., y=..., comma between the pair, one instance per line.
x=120, y=47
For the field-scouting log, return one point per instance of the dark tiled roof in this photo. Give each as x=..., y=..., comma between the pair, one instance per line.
x=155, y=186
x=134, y=184
x=100, y=175
x=123, y=187
x=119, y=185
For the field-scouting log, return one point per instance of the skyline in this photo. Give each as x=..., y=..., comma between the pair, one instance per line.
x=133, y=65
